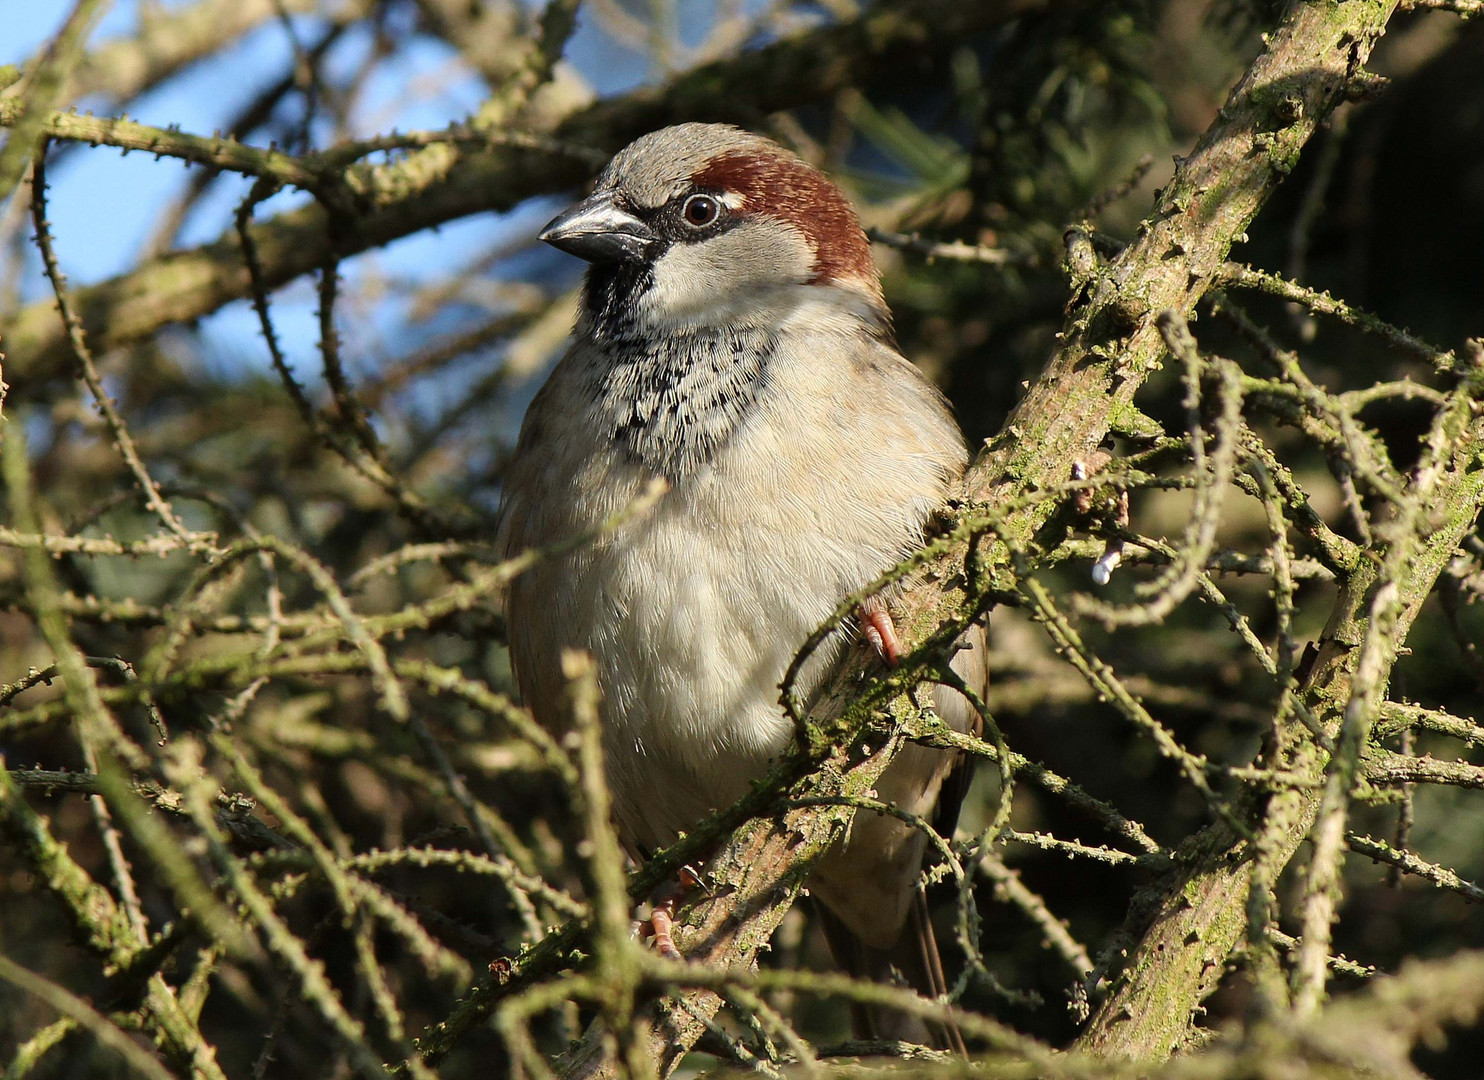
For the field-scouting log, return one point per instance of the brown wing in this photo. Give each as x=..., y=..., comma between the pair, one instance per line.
x=534, y=513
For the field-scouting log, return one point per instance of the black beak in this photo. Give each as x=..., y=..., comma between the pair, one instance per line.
x=597, y=230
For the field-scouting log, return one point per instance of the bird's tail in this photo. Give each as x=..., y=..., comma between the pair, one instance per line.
x=913, y=960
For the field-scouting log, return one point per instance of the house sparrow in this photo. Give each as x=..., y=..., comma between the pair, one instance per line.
x=733, y=340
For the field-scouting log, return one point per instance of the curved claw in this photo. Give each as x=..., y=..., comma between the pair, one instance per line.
x=661, y=922
x=658, y=927
x=880, y=631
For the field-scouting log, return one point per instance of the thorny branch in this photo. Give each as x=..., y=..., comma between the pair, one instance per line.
x=271, y=656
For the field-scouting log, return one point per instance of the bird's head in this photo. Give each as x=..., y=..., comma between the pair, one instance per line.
x=706, y=225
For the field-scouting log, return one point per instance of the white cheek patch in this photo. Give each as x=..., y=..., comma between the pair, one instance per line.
x=725, y=277
x=680, y=286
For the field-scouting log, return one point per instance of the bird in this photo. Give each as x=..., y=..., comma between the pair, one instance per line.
x=733, y=343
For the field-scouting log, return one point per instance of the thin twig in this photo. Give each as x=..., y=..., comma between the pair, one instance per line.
x=89, y=371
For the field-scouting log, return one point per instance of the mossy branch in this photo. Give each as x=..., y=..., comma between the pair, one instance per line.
x=1108, y=346
x=450, y=179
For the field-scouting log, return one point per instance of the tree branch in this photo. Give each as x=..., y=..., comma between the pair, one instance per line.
x=1109, y=344
x=443, y=182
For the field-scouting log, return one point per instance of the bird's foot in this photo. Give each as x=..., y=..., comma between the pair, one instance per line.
x=658, y=928
x=880, y=631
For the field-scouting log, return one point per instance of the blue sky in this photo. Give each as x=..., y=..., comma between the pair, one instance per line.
x=103, y=200
x=104, y=205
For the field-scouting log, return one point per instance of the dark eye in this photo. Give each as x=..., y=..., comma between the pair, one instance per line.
x=700, y=211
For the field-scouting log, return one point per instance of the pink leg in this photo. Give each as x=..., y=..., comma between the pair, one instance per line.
x=880, y=631
x=658, y=927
